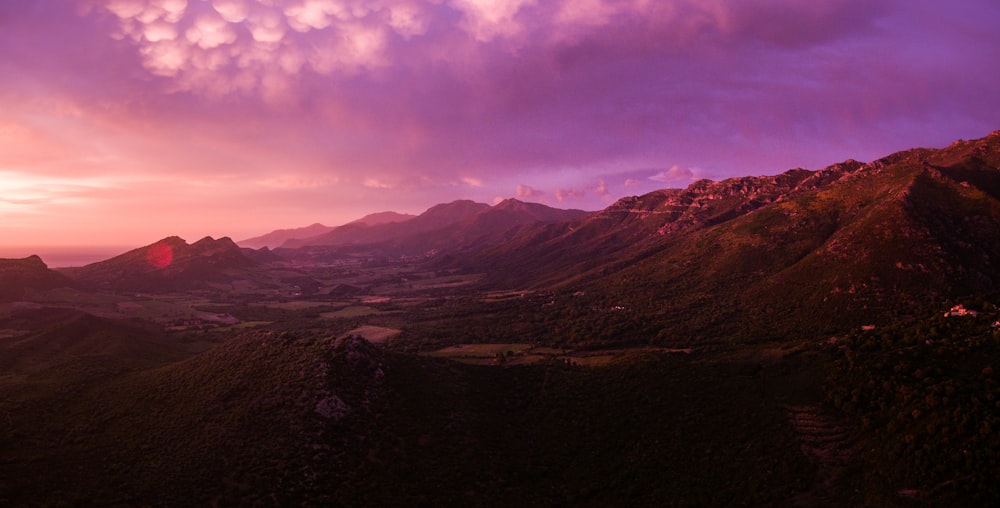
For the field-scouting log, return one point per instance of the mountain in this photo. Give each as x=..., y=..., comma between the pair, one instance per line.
x=20, y=276
x=169, y=264
x=811, y=252
x=374, y=219
x=453, y=227
x=356, y=233
x=280, y=236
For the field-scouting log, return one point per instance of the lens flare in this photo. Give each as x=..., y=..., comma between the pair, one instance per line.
x=160, y=255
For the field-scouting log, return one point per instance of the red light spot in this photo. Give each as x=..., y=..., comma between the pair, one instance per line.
x=160, y=255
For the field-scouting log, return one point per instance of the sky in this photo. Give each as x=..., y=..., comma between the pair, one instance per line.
x=126, y=121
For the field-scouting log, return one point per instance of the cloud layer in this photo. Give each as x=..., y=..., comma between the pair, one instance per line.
x=275, y=113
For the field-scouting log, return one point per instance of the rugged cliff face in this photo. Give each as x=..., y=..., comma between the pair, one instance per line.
x=803, y=251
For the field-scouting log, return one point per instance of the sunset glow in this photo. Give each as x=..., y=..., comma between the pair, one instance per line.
x=126, y=121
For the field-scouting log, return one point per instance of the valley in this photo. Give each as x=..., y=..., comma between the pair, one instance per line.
x=814, y=338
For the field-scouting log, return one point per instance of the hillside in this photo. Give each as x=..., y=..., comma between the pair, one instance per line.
x=278, y=237
x=56, y=338
x=169, y=264
x=357, y=233
x=19, y=277
x=803, y=253
x=300, y=419
x=450, y=228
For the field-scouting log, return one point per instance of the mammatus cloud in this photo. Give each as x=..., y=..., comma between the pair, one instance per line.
x=306, y=110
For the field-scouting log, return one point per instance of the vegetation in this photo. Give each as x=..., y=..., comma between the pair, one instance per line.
x=928, y=398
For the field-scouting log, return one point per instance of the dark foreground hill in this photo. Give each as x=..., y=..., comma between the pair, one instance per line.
x=290, y=420
x=54, y=339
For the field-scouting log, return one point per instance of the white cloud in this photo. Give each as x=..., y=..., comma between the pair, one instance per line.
x=173, y=9
x=487, y=19
x=160, y=31
x=210, y=30
x=126, y=9
x=524, y=191
x=675, y=176
x=308, y=15
x=266, y=26
x=165, y=58
x=407, y=19
x=233, y=11
x=375, y=183
x=564, y=194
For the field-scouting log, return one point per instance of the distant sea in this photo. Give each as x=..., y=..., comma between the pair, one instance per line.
x=63, y=256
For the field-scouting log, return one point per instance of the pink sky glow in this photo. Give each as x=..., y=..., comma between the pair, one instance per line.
x=125, y=121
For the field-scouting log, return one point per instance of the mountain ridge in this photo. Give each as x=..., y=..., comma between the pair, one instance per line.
x=168, y=264
x=279, y=236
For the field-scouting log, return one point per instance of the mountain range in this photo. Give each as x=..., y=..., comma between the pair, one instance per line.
x=168, y=265
x=278, y=237
x=848, y=243
x=811, y=338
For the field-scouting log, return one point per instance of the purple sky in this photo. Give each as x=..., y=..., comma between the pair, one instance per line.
x=124, y=121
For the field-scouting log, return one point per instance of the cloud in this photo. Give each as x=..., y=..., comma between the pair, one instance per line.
x=487, y=19
x=478, y=95
x=676, y=176
x=375, y=183
x=233, y=11
x=564, y=194
x=601, y=189
x=526, y=192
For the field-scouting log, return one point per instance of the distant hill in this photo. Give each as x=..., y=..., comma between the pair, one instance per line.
x=18, y=276
x=364, y=233
x=374, y=219
x=443, y=228
x=169, y=264
x=280, y=236
x=800, y=252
